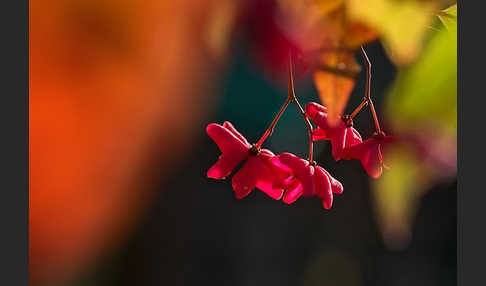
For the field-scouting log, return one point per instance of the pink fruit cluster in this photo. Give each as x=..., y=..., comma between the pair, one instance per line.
x=287, y=175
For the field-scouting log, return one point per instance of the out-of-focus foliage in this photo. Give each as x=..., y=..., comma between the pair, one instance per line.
x=107, y=86
x=422, y=109
x=328, y=38
x=329, y=32
x=396, y=195
x=220, y=23
x=402, y=24
x=427, y=91
x=335, y=89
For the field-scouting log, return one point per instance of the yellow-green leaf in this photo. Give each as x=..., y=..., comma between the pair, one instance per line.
x=401, y=24
x=422, y=103
x=427, y=90
x=449, y=16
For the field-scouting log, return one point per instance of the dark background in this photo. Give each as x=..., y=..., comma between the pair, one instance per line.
x=197, y=233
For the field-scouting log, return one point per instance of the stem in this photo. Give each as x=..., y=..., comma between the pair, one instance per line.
x=362, y=104
x=368, y=90
x=309, y=127
x=274, y=122
x=375, y=118
x=292, y=97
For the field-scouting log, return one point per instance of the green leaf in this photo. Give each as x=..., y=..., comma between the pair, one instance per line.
x=449, y=16
x=402, y=25
x=422, y=101
x=427, y=90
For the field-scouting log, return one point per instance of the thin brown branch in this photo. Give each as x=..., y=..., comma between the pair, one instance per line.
x=301, y=110
x=270, y=129
x=368, y=89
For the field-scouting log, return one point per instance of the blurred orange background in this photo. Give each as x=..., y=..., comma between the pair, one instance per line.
x=112, y=83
